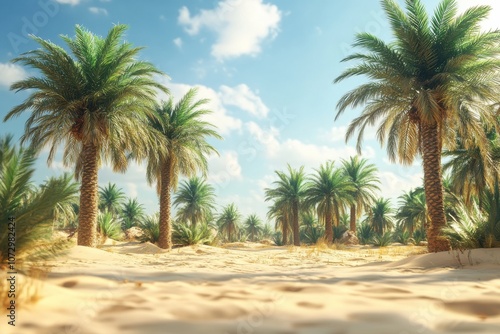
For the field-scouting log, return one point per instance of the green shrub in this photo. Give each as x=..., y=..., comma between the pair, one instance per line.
x=382, y=240
x=365, y=233
x=402, y=237
x=150, y=227
x=278, y=239
x=109, y=227
x=187, y=235
x=418, y=237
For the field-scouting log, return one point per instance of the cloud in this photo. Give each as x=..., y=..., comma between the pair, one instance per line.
x=242, y=97
x=219, y=116
x=69, y=2
x=10, y=73
x=392, y=185
x=178, y=42
x=296, y=152
x=235, y=23
x=224, y=168
x=98, y=11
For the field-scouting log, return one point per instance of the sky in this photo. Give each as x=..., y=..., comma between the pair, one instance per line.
x=267, y=67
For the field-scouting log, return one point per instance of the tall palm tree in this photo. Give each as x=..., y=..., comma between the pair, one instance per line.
x=381, y=216
x=365, y=181
x=87, y=101
x=111, y=198
x=435, y=82
x=253, y=226
x=132, y=212
x=412, y=210
x=288, y=193
x=33, y=209
x=196, y=200
x=329, y=191
x=183, y=150
x=228, y=221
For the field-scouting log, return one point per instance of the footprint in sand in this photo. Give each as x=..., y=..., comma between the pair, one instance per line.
x=310, y=305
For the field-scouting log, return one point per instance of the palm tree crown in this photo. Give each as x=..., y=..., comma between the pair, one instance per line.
x=435, y=82
x=229, y=220
x=253, y=227
x=111, y=198
x=87, y=101
x=195, y=199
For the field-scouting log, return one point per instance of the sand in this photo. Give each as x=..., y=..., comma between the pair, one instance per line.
x=253, y=288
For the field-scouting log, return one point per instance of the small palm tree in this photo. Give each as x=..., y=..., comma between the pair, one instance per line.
x=253, y=227
x=93, y=102
x=33, y=209
x=365, y=181
x=288, y=194
x=228, y=221
x=111, y=198
x=427, y=88
x=132, y=213
x=311, y=231
x=329, y=190
x=381, y=216
x=412, y=211
x=182, y=150
x=281, y=216
x=195, y=199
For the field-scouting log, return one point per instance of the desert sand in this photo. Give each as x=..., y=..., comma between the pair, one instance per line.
x=253, y=288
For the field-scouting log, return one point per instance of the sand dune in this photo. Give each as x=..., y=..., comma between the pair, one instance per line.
x=252, y=288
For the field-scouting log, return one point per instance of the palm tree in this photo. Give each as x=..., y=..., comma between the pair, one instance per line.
x=288, y=194
x=381, y=216
x=279, y=213
x=94, y=103
x=253, y=226
x=183, y=150
x=427, y=88
x=111, y=198
x=33, y=209
x=132, y=213
x=470, y=171
x=412, y=210
x=329, y=190
x=364, y=178
x=228, y=221
x=196, y=199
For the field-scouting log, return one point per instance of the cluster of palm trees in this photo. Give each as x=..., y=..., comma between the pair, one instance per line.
x=328, y=192
x=432, y=90
x=101, y=106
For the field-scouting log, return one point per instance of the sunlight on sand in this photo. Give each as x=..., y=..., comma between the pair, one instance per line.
x=254, y=288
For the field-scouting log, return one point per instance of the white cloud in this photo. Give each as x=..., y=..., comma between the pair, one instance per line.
x=493, y=20
x=98, y=11
x=219, y=116
x=69, y=2
x=178, y=42
x=10, y=73
x=242, y=97
x=393, y=185
x=240, y=25
x=224, y=168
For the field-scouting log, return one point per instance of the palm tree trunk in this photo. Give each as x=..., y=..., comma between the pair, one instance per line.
x=328, y=226
x=295, y=214
x=229, y=233
x=87, y=218
x=352, y=223
x=284, y=229
x=165, y=237
x=433, y=185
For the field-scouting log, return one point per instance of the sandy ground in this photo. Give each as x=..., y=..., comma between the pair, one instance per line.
x=252, y=288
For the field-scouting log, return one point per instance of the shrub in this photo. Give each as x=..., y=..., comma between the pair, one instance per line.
x=151, y=228
x=278, y=239
x=382, y=240
x=418, y=236
x=109, y=227
x=365, y=233
x=187, y=235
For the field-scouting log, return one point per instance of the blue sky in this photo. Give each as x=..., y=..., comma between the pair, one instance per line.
x=267, y=67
